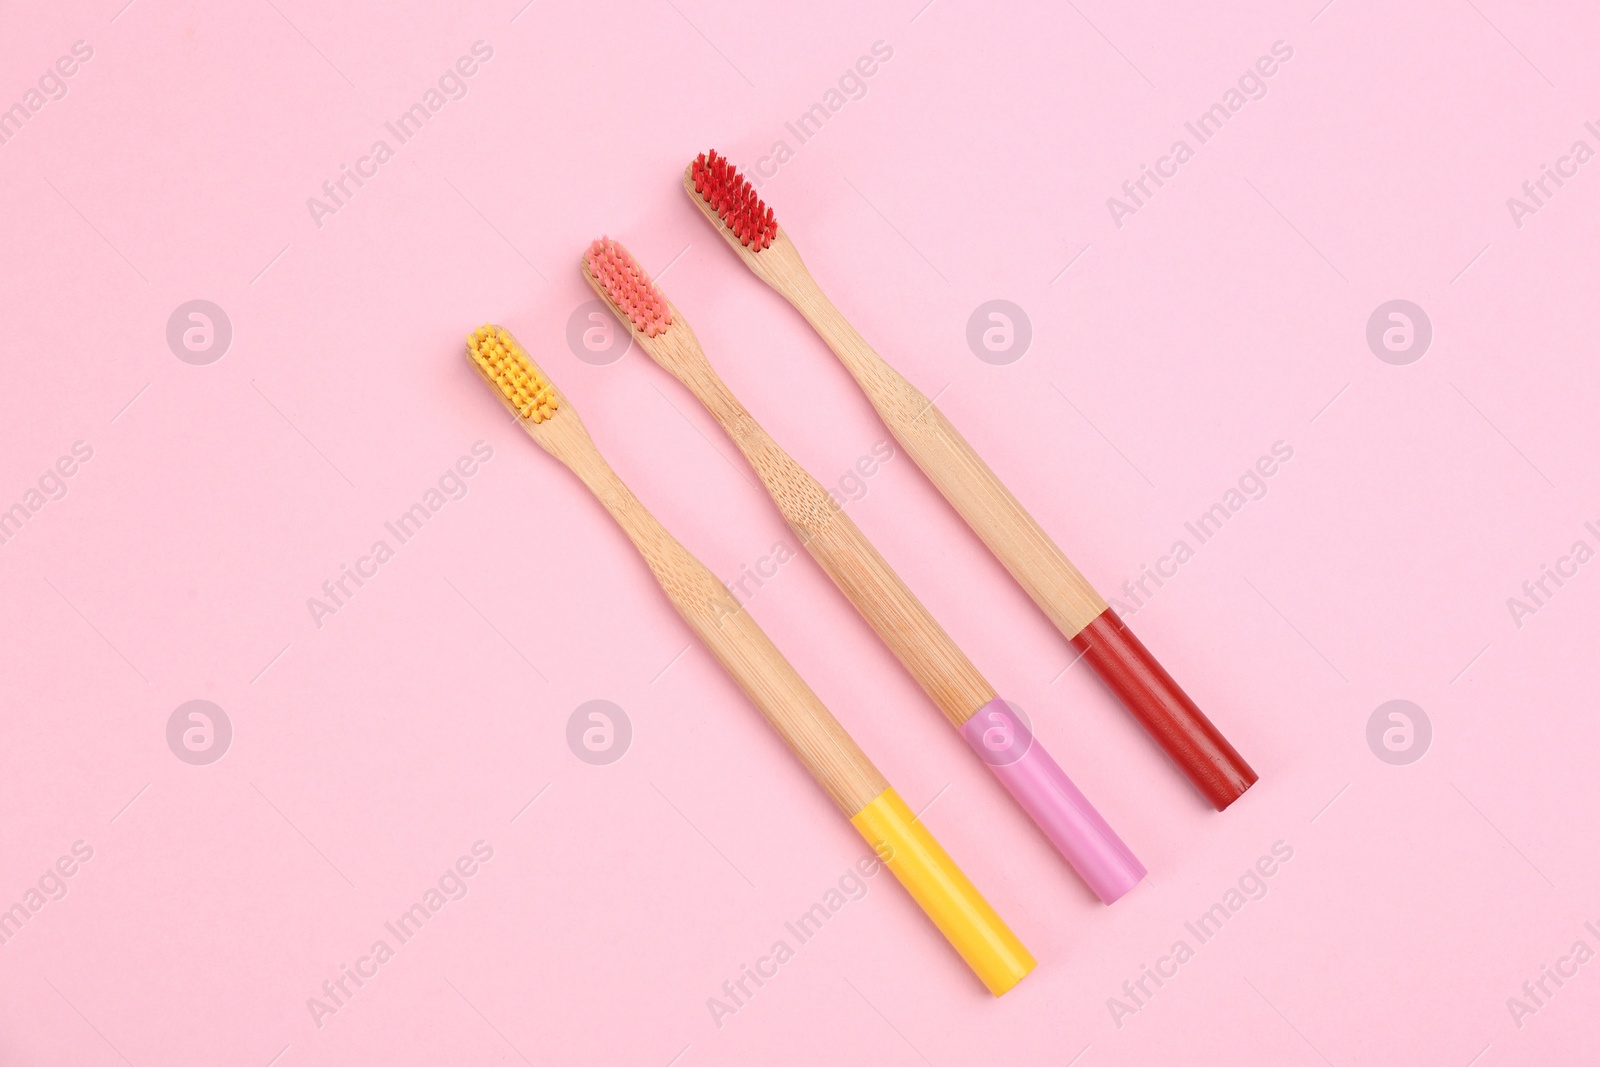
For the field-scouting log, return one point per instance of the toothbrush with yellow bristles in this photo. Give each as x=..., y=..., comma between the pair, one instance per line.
x=987, y=723
x=901, y=842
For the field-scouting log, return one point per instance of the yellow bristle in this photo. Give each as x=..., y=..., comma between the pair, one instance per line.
x=504, y=362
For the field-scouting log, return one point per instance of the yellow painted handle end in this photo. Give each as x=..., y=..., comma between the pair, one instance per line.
x=931, y=877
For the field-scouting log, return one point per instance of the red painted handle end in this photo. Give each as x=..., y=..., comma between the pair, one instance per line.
x=1164, y=709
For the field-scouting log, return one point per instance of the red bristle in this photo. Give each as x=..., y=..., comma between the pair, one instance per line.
x=628, y=287
x=734, y=200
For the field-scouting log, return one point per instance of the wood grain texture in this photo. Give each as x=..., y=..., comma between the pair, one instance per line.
x=726, y=629
x=832, y=538
x=936, y=446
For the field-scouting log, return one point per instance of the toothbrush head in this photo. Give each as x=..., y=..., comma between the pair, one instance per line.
x=617, y=276
x=733, y=200
x=505, y=364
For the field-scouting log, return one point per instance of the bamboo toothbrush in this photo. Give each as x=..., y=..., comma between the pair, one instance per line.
x=987, y=723
x=903, y=844
x=1043, y=570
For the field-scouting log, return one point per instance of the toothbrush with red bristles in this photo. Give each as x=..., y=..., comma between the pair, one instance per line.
x=1081, y=614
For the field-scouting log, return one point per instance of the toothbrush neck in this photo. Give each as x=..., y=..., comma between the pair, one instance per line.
x=699, y=597
x=796, y=285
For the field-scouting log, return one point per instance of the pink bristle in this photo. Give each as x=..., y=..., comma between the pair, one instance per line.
x=628, y=287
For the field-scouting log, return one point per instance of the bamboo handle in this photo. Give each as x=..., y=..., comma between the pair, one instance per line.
x=903, y=844
x=1004, y=742
x=945, y=894
x=959, y=473
x=837, y=544
x=1033, y=559
x=742, y=647
x=1017, y=541
x=900, y=620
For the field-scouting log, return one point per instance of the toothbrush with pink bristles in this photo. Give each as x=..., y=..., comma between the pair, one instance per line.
x=968, y=701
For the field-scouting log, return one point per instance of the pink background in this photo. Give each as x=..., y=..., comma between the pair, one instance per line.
x=1227, y=314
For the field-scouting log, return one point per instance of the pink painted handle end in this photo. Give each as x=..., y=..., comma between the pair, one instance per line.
x=1000, y=737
